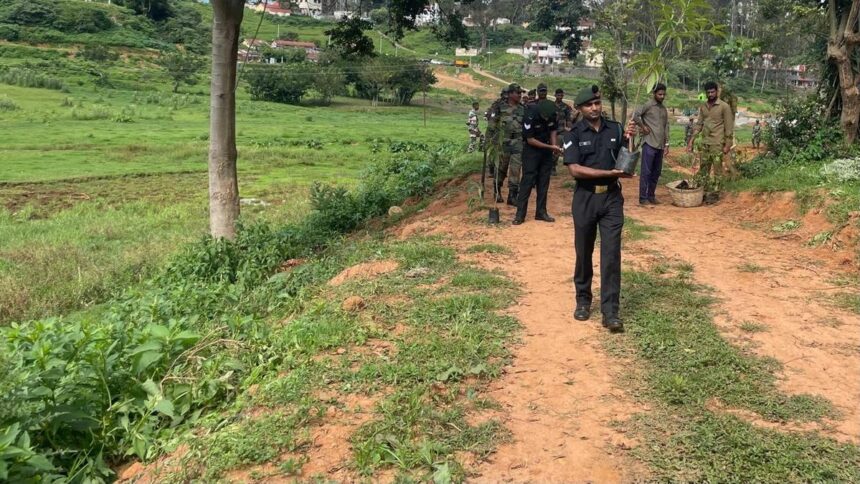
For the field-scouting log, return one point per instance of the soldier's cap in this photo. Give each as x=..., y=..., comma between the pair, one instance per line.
x=513, y=87
x=559, y=91
x=542, y=87
x=587, y=94
x=532, y=92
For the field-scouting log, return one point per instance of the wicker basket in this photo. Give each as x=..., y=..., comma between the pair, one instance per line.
x=685, y=198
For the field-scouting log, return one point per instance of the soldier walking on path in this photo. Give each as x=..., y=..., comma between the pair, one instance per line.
x=653, y=120
x=756, y=137
x=716, y=123
x=472, y=125
x=539, y=138
x=590, y=150
x=510, y=133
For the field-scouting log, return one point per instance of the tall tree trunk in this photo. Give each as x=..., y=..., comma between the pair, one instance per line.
x=223, y=179
x=850, y=117
x=841, y=44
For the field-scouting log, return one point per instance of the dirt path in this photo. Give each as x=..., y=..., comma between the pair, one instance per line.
x=562, y=393
x=464, y=83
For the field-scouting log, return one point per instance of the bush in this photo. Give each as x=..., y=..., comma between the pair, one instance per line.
x=9, y=32
x=79, y=393
x=29, y=78
x=7, y=104
x=281, y=84
x=98, y=53
x=842, y=170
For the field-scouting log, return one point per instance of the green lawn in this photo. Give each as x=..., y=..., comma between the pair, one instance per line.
x=99, y=186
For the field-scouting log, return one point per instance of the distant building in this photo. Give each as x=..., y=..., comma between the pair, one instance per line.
x=544, y=53
x=430, y=16
x=311, y=8
x=275, y=8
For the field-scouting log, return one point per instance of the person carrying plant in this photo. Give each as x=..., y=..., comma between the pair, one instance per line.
x=716, y=122
x=590, y=150
x=653, y=121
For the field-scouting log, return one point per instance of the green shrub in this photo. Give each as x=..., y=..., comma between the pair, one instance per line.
x=282, y=84
x=7, y=104
x=77, y=394
x=29, y=78
x=9, y=32
x=98, y=53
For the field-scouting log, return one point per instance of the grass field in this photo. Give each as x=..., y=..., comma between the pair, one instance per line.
x=100, y=185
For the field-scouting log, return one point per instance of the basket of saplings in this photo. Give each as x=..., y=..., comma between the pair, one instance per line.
x=685, y=193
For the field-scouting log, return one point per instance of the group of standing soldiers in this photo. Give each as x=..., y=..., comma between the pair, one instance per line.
x=523, y=144
x=525, y=139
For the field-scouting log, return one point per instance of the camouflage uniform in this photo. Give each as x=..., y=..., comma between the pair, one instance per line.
x=564, y=115
x=510, y=149
x=688, y=131
x=474, y=131
x=493, y=115
x=716, y=123
x=756, y=138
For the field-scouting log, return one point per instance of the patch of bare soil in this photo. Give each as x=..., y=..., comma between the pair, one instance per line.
x=463, y=83
x=365, y=270
x=330, y=449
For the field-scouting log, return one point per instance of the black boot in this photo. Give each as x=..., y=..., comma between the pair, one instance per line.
x=512, y=196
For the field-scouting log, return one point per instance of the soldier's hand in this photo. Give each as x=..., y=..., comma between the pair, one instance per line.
x=646, y=129
x=620, y=173
x=558, y=149
x=689, y=147
x=631, y=126
x=726, y=149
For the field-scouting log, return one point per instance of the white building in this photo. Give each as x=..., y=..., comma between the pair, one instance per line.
x=430, y=16
x=544, y=53
x=311, y=8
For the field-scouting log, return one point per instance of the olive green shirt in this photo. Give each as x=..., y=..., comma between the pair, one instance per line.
x=716, y=123
x=656, y=117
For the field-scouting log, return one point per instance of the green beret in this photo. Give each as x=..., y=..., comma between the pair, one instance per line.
x=513, y=87
x=587, y=94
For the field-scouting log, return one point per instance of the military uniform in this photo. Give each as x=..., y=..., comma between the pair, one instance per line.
x=474, y=130
x=565, y=118
x=717, y=124
x=493, y=116
x=756, y=135
x=510, y=149
x=597, y=205
x=540, y=123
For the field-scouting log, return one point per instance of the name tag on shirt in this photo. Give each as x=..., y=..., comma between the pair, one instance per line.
x=585, y=143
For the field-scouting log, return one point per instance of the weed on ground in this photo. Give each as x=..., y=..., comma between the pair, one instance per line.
x=422, y=346
x=687, y=368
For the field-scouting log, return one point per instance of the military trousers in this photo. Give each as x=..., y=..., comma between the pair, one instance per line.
x=592, y=212
x=537, y=169
x=510, y=166
x=710, y=174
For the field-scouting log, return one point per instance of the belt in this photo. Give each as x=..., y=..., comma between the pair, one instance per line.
x=600, y=188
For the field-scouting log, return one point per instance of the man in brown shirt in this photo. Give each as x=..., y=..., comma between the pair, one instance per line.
x=716, y=122
x=653, y=120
